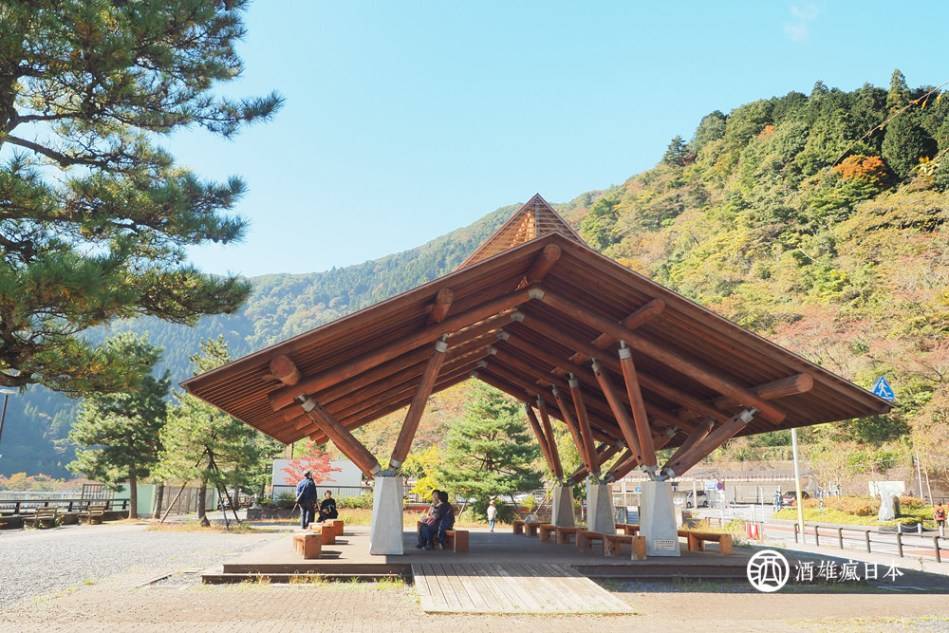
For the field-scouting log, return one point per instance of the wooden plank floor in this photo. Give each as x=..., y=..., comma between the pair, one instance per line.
x=510, y=588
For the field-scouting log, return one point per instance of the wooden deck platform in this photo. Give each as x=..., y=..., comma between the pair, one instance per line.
x=450, y=587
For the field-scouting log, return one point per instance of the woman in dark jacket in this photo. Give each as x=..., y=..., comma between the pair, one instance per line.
x=445, y=514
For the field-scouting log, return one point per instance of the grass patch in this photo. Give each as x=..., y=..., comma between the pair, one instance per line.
x=830, y=515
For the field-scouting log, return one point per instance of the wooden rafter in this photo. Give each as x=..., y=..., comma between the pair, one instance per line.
x=619, y=412
x=583, y=423
x=345, y=441
x=539, y=435
x=709, y=443
x=604, y=453
x=441, y=306
x=429, y=334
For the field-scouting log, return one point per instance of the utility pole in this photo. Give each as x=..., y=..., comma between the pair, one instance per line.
x=797, y=485
x=6, y=400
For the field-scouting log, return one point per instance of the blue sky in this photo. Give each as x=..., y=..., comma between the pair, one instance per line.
x=406, y=120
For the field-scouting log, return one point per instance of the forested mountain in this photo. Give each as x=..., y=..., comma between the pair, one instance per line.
x=802, y=217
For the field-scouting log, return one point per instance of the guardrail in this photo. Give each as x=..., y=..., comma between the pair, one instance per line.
x=29, y=506
x=925, y=542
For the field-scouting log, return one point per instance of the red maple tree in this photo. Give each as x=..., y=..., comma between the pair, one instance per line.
x=314, y=460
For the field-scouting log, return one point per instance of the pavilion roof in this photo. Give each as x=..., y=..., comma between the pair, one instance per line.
x=521, y=313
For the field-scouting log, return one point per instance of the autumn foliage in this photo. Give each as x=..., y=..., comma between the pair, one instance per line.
x=314, y=460
x=861, y=167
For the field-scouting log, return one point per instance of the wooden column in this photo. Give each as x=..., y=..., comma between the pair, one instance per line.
x=619, y=411
x=674, y=360
x=539, y=434
x=341, y=437
x=705, y=446
x=648, y=451
x=404, y=442
x=551, y=440
x=583, y=423
x=572, y=426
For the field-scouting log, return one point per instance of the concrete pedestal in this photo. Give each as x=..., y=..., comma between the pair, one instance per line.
x=385, y=533
x=657, y=521
x=562, y=513
x=600, y=508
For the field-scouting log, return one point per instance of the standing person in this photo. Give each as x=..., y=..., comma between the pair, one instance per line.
x=939, y=516
x=778, y=500
x=306, y=499
x=328, y=507
x=492, y=515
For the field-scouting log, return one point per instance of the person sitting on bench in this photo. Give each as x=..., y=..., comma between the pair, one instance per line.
x=446, y=517
x=328, y=507
x=428, y=525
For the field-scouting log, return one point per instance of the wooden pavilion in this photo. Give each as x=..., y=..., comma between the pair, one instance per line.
x=627, y=365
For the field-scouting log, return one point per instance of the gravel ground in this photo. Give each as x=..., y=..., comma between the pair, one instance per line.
x=35, y=562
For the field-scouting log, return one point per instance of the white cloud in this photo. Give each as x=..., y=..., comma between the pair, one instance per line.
x=798, y=28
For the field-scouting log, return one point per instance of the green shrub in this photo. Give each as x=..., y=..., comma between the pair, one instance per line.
x=363, y=502
x=285, y=501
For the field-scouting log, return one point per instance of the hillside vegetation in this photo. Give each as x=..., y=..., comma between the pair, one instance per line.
x=800, y=217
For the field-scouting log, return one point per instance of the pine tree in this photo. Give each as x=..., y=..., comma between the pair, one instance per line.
x=97, y=217
x=905, y=142
x=489, y=451
x=197, y=432
x=898, y=95
x=117, y=434
x=677, y=153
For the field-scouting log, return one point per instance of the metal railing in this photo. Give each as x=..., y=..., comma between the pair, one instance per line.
x=29, y=506
x=926, y=544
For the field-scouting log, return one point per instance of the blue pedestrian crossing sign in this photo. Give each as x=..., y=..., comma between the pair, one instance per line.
x=883, y=389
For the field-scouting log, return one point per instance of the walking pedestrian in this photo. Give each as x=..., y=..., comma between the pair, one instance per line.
x=492, y=515
x=306, y=499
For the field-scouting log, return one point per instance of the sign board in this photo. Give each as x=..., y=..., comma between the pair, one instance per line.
x=345, y=482
x=883, y=389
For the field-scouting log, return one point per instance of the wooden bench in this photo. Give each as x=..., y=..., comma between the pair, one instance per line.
x=95, y=514
x=565, y=533
x=697, y=539
x=585, y=539
x=332, y=525
x=629, y=529
x=545, y=530
x=457, y=541
x=518, y=526
x=612, y=543
x=43, y=517
x=326, y=533
x=307, y=545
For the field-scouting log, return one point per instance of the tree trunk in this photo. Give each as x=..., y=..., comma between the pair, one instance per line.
x=159, y=499
x=202, y=504
x=133, y=496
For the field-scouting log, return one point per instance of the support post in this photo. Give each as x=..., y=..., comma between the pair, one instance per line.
x=562, y=510
x=572, y=427
x=539, y=434
x=385, y=531
x=404, y=442
x=600, y=507
x=647, y=450
x=657, y=521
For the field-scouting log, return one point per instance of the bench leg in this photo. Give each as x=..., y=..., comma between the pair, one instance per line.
x=639, y=548
x=725, y=545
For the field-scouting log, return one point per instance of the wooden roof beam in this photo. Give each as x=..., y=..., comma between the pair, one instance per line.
x=440, y=307
x=619, y=412
x=604, y=453
x=543, y=263
x=583, y=423
x=571, y=425
x=647, y=449
x=774, y=390
x=638, y=318
x=429, y=334
x=674, y=360
x=344, y=440
x=284, y=369
x=539, y=435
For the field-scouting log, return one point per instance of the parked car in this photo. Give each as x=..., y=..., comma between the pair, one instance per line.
x=689, y=502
